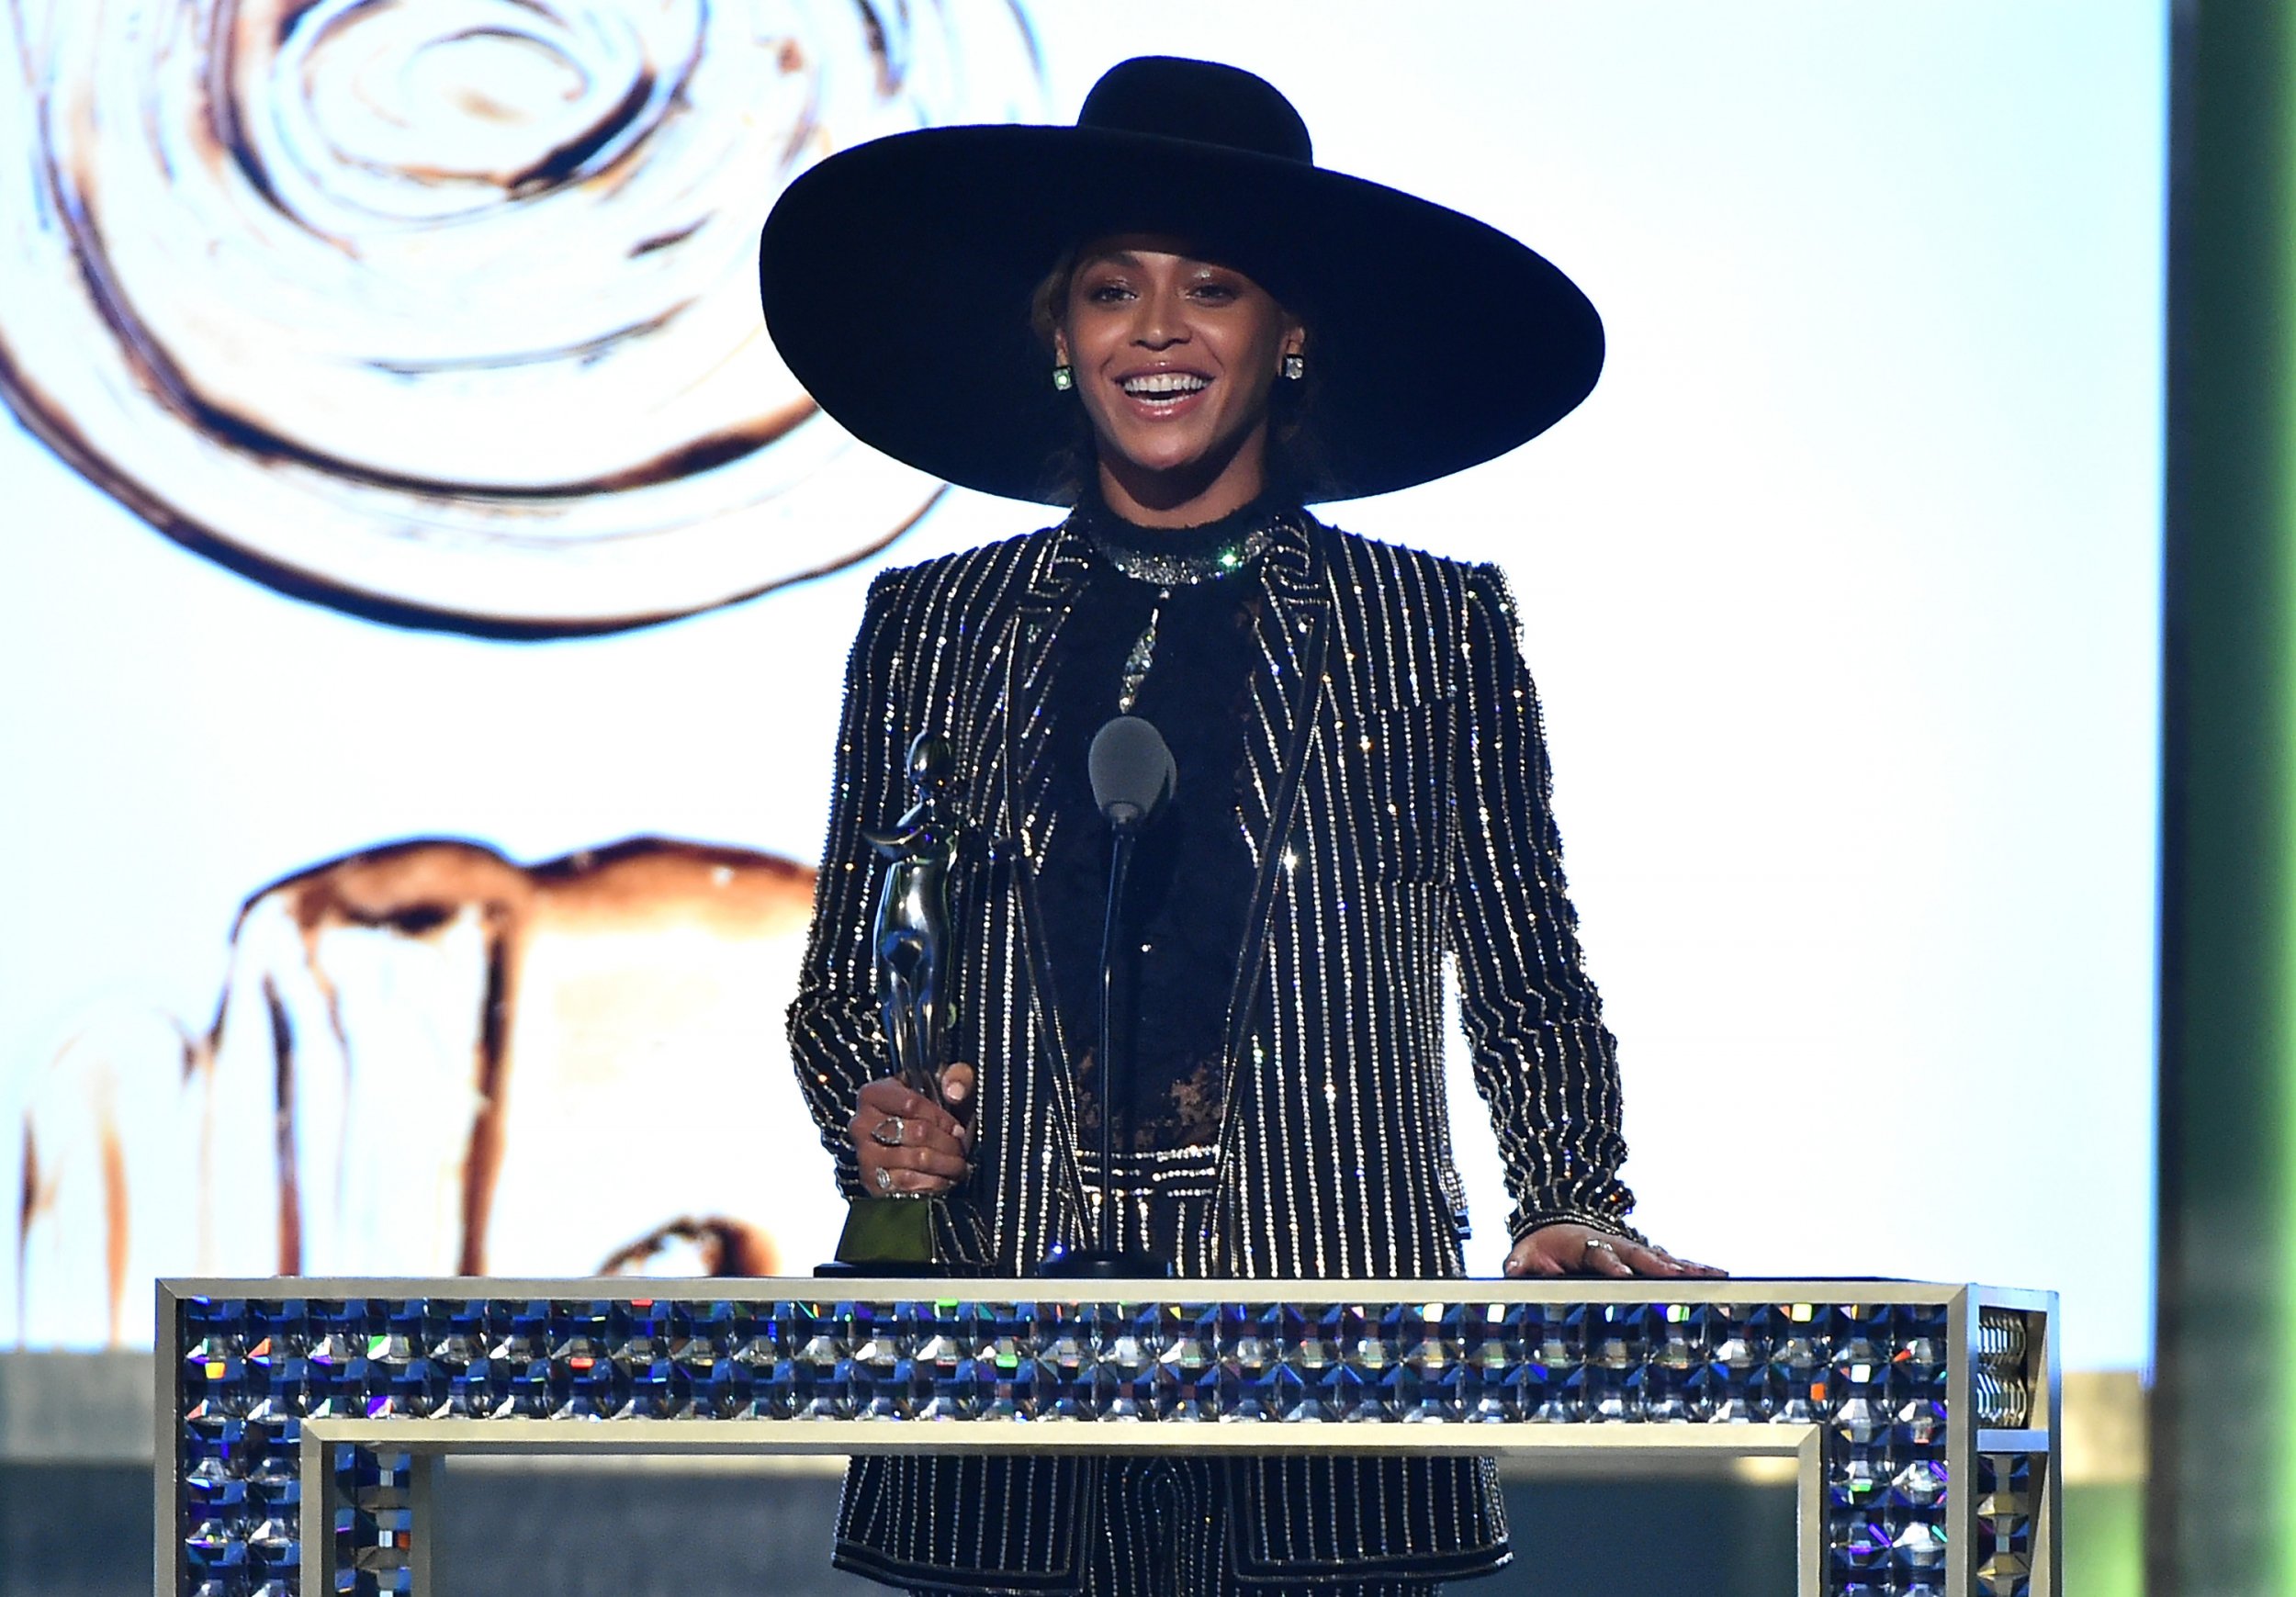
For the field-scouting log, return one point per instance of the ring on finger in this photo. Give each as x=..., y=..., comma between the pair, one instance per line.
x=1600, y=1244
x=884, y=1179
x=888, y=1132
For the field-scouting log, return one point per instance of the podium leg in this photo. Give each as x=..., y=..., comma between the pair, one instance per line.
x=423, y=1483
x=1813, y=1537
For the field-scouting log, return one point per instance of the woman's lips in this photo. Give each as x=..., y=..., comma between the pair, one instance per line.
x=1160, y=394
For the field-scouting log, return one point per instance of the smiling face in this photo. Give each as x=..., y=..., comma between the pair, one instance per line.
x=1174, y=357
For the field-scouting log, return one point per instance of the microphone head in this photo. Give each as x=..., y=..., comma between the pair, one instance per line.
x=1132, y=772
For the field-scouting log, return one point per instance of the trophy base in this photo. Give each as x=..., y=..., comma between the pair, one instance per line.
x=885, y=1236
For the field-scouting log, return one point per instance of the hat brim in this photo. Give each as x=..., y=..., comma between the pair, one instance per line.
x=895, y=277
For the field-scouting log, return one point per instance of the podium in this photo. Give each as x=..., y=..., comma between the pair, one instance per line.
x=302, y=1422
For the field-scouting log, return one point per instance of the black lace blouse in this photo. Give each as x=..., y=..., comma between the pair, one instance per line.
x=1163, y=629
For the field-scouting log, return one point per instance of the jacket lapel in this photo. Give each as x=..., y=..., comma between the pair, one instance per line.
x=1046, y=601
x=1047, y=598
x=1293, y=637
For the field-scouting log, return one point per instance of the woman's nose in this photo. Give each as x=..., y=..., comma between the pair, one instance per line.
x=1159, y=324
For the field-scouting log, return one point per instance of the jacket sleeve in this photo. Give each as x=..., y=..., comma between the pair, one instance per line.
x=1544, y=1061
x=835, y=1040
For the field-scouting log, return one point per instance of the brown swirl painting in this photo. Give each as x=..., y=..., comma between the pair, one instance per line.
x=444, y=312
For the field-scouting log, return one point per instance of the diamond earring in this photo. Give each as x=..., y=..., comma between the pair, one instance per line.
x=1063, y=377
x=1295, y=366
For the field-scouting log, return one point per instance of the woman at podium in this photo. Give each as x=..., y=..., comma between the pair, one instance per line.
x=1170, y=322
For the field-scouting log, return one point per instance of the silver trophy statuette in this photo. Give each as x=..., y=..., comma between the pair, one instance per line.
x=914, y=939
x=915, y=950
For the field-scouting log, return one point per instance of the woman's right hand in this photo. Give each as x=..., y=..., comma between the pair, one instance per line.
x=907, y=1146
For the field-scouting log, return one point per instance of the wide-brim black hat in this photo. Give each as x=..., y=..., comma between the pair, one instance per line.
x=896, y=279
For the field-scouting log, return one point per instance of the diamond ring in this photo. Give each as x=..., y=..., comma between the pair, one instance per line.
x=898, y=1127
x=884, y=1180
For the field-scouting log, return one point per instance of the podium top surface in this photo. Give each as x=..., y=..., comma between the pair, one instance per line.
x=1260, y=1289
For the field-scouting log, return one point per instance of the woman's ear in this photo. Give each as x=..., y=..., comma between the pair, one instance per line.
x=1292, y=358
x=1060, y=347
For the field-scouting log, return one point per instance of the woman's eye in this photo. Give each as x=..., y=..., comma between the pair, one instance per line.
x=1107, y=293
x=1220, y=292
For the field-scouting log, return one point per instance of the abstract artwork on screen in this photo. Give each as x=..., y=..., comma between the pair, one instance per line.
x=428, y=1060
x=445, y=311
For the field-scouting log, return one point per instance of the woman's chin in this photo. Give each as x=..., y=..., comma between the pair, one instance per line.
x=1168, y=474
x=1181, y=472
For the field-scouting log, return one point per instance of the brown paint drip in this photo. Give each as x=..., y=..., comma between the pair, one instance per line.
x=117, y=1221
x=414, y=889
x=482, y=1168
x=39, y=1195
x=283, y=1131
x=880, y=49
x=27, y=1207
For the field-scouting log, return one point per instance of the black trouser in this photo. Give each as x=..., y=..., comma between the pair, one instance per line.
x=1162, y=1531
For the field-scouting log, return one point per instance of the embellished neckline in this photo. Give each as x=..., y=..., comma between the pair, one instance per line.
x=1181, y=557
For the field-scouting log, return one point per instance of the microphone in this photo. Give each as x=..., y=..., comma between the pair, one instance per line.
x=1132, y=778
x=1133, y=773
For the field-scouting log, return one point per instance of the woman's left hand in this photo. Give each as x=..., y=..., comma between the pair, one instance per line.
x=1582, y=1250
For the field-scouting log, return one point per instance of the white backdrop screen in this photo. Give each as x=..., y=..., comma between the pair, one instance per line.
x=1842, y=592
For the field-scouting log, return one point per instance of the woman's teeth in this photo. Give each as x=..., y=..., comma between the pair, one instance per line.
x=1165, y=386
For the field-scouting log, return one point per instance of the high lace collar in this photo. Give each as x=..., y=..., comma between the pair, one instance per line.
x=1183, y=556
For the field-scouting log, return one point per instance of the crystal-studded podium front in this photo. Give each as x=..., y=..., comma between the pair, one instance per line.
x=267, y=1384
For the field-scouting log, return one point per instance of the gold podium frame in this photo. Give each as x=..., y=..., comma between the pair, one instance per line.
x=1969, y=1309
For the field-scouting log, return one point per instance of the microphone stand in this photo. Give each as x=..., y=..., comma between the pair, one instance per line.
x=1120, y=867
x=1108, y=1260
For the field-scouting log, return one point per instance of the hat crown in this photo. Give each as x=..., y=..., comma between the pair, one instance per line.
x=1169, y=96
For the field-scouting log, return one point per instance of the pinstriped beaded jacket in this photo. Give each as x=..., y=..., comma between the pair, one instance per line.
x=1395, y=804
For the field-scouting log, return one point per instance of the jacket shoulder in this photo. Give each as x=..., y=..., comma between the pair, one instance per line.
x=966, y=568
x=1391, y=560
x=1422, y=611
x=966, y=586
x=1439, y=591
